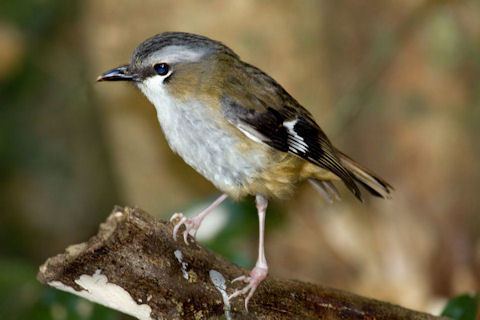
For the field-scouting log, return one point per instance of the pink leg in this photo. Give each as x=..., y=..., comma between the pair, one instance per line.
x=193, y=224
x=260, y=271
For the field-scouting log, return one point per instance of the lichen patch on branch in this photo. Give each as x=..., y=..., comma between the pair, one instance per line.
x=178, y=254
x=218, y=281
x=99, y=290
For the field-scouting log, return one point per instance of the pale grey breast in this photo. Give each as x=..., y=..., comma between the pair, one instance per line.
x=196, y=136
x=206, y=146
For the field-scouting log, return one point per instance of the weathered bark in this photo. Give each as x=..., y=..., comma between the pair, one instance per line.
x=134, y=265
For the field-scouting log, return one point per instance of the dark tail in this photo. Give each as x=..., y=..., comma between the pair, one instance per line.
x=370, y=181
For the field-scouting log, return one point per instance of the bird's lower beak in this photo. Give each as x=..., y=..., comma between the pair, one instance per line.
x=118, y=74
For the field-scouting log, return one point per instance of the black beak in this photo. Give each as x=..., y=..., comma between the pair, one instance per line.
x=118, y=74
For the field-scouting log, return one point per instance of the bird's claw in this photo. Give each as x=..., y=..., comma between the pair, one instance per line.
x=241, y=278
x=191, y=226
x=257, y=275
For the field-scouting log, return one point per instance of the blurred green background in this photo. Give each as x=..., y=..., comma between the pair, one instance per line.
x=395, y=84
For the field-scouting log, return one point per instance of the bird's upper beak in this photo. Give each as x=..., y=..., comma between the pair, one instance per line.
x=118, y=74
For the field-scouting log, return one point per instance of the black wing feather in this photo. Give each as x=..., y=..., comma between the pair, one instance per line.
x=303, y=137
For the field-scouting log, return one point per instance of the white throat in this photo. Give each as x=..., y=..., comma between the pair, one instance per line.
x=154, y=89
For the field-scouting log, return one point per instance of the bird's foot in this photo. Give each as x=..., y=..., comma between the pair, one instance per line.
x=191, y=226
x=257, y=275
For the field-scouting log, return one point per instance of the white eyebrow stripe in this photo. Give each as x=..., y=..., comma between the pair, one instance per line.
x=173, y=54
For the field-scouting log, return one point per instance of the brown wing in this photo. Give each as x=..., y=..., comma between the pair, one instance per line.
x=259, y=107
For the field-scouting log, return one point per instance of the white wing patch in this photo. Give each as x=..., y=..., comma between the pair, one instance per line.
x=295, y=141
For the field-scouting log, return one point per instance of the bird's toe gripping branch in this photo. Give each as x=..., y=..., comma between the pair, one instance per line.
x=257, y=275
x=191, y=226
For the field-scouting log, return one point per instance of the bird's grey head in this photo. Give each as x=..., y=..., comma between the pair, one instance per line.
x=159, y=56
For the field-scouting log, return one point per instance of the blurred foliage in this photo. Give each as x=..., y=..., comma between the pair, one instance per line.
x=463, y=307
x=46, y=120
x=48, y=126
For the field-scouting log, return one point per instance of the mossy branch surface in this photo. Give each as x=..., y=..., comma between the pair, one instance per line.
x=134, y=265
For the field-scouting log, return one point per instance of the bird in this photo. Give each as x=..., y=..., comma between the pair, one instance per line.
x=238, y=128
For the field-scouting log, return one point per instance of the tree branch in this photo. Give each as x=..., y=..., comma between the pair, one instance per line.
x=133, y=265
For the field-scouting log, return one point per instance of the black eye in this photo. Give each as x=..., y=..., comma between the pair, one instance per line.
x=161, y=68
